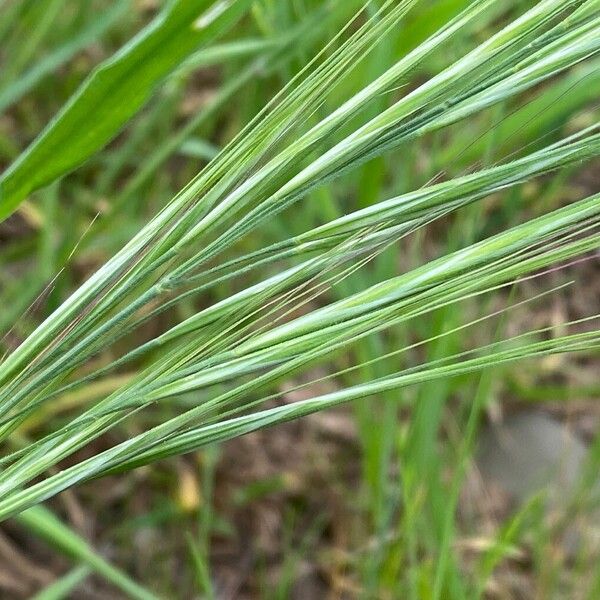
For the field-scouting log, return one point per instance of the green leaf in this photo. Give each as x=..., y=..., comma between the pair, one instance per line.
x=62, y=587
x=46, y=525
x=17, y=89
x=114, y=92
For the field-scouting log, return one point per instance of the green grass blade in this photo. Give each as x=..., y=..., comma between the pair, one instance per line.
x=114, y=93
x=30, y=78
x=64, y=586
x=44, y=524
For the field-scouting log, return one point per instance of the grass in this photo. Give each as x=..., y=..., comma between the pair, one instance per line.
x=297, y=252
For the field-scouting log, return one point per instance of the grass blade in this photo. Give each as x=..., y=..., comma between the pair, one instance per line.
x=114, y=93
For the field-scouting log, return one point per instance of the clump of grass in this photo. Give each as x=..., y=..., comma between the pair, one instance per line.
x=231, y=354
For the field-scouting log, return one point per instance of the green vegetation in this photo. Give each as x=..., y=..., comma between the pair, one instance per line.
x=228, y=215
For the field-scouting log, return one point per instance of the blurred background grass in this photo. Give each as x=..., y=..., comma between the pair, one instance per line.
x=369, y=501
